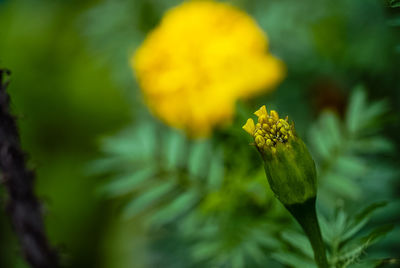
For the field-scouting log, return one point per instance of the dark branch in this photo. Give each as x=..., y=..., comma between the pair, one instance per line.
x=22, y=205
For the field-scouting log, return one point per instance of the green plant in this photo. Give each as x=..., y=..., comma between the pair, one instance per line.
x=208, y=201
x=343, y=235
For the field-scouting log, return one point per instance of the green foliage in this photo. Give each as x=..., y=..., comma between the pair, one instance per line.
x=205, y=203
x=114, y=28
x=343, y=150
x=211, y=197
x=157, y=169
x=228, y=217
x=166, y=178
x=344, y=235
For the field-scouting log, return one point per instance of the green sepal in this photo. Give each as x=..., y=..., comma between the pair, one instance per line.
x=291, y=172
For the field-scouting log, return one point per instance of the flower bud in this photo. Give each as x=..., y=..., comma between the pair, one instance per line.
x=288, y=164
x=291, y=173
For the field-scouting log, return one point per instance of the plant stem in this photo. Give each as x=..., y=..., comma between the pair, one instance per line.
x=306, y=216
x=22, y=204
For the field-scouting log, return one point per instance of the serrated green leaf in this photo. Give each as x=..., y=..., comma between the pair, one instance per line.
x=350, y=232
x=341, y=186
x=340, y=222
x=199, y=159
x=298, y=241
x=136, y=144
x=366, y=212
x=350, y=166
x=377, y=233
x=293, y=260
x=174, y=149
x=350, y=255
x=127, y=183
x=148, y=198
x=319, y=144
x=265, y=239
x=103, y=166
x=326, y=229
x=377, y=263
x=373, y=145
x=364, y=264
x=355, y=110
x=351, y=252
x=175, y=208
x=216, y=172
x=147, y=138
x=205, y=250
x=120, y=146
x=373, y=111
x=253, y=250
x=331, y=130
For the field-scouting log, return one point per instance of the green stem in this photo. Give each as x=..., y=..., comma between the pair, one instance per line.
x=306, y=216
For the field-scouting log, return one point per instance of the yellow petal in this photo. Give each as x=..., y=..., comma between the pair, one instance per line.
x=249, y=127
x=261, y=111
x=274, y=114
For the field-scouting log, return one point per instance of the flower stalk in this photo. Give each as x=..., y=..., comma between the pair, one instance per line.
x=306, y=216
x=290, y=171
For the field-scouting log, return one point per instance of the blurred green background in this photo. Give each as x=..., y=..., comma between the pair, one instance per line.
x=71, y=86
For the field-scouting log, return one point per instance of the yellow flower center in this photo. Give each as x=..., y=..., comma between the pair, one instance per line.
x=269, y=130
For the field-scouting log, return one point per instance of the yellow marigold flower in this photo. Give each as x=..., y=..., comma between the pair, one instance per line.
x=202, y=57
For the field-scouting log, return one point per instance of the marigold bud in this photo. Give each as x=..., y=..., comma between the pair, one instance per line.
x=290, y=172
x=288, y=164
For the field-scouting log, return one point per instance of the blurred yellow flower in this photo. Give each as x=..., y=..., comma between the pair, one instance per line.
x=203, y=57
